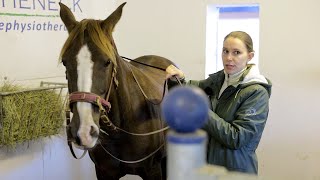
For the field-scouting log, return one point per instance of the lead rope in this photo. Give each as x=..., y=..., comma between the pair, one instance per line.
x=132, y=162
x=135, y=134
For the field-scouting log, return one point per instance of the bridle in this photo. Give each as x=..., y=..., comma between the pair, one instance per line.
x=104, y=107
x=103, y=104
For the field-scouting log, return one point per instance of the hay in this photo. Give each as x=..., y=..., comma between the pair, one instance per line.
x=28, y=114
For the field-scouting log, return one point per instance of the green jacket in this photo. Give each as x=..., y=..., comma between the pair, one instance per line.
x=236, y=120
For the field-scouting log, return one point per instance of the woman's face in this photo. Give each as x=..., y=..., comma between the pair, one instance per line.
x=235, y=55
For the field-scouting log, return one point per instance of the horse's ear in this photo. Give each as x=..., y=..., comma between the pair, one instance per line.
x=67, y=17
x=108, y=24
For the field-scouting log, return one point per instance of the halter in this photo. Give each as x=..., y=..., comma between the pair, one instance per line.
x=103, y=104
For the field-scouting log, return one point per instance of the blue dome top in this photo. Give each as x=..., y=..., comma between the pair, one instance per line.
x=185, y=108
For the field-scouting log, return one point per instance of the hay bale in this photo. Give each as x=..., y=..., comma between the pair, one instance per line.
x=28, y=114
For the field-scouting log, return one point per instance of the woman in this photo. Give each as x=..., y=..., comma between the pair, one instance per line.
x=239, y=97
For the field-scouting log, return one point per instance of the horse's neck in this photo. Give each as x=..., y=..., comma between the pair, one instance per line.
x=136, y=100
x=122, y=95
x=135, y=89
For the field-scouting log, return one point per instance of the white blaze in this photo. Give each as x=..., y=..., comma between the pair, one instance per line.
x=85, y=71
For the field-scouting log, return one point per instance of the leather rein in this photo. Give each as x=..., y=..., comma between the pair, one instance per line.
x=105, y=106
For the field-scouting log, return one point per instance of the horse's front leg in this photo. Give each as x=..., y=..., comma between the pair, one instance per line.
x=154, y=173
x=109, y=174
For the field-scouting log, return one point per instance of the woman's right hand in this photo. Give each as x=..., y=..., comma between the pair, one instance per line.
x=173, y=71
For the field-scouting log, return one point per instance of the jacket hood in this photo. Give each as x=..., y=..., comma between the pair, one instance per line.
x=249, y=77
x=252, y=76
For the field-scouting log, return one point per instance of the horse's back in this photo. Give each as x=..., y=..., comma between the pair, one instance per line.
x=158, y=62
x=150, y=74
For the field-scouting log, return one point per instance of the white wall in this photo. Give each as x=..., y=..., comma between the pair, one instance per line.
x=173, y=29
x=27, y=56
x=289, y=29
x=48, y=159
x=289, y=56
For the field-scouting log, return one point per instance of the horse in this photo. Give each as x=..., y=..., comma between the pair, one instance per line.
x=115, y=102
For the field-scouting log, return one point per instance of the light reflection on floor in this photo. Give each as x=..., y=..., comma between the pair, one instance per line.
x=131, y=177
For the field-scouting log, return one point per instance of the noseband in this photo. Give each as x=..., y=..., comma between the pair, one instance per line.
x=90, y=98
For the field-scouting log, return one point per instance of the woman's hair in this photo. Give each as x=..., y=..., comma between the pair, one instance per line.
x=244, y=37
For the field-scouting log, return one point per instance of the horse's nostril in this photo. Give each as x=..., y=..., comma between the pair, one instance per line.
x=94, y=132
x=78, y=140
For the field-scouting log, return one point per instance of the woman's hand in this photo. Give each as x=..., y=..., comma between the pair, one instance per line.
x=174, y=71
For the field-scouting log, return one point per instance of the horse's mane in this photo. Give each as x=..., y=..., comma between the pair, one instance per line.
x=98, y=37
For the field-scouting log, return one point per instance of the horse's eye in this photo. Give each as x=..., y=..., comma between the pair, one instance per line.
x=106, y=64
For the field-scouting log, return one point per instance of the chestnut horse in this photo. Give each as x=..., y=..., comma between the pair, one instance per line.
x=115, y=102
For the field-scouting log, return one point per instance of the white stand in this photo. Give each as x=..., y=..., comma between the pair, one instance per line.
x=186, y=153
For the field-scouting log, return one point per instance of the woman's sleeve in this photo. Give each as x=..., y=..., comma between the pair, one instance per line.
x=250, y=120
x=172, y=83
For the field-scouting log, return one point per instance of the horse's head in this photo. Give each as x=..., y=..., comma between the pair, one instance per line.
x=89, y=56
